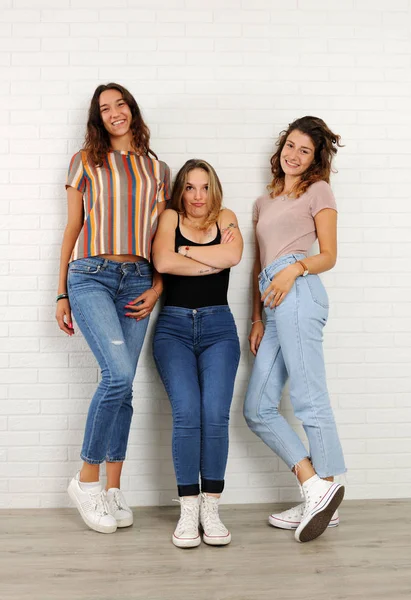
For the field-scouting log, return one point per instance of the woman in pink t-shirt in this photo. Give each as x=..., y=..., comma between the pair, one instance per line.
x=299, y=209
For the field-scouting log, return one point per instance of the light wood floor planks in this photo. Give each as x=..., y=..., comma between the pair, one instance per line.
x=51, y=555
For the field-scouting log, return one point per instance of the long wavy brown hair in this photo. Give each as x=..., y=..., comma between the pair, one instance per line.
x=215, y=190
x=326, y=145
x=97, y=142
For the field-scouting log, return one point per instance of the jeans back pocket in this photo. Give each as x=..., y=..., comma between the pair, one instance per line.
x=317, y=290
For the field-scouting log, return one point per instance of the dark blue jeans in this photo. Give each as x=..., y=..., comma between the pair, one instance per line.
x=99, y=289
x=197, y=354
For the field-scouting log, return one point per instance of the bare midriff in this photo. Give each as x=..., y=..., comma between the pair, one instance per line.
x=123, y=257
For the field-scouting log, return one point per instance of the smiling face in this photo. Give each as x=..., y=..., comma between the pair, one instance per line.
x=115, y=113
x=297, y=154
x=196, y=200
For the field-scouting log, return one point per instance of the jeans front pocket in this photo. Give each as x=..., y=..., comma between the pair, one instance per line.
x=86, y=266
x=144, y=270
x=317, y=290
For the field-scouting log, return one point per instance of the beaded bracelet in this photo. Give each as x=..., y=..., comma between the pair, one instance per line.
x=61, y=297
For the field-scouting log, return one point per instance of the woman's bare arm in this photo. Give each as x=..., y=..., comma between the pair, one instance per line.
x=165, y=259
x=257, y=328
x=75, y=220
x=223, y=255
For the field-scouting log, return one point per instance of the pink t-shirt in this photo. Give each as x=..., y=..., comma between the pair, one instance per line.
x=286, y=225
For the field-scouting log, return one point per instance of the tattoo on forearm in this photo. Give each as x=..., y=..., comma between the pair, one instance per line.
x=210, y=270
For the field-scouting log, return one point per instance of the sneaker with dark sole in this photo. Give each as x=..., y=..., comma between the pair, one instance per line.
x=291, y=518
x=322, y=498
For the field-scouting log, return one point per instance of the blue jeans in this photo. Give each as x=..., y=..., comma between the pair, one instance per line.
x=292, y=347
x=197, y=354
x=99, y=289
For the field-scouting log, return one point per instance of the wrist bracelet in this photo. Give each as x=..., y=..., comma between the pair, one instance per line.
x=61, y=297
x=258, y=321
x=155, y=291
x=304, y=266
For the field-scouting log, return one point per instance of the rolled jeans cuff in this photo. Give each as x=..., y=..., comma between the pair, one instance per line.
x=189, y=490
x=212, y=486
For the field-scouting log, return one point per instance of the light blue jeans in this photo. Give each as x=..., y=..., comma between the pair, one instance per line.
x=98, y=290
x=292, y=348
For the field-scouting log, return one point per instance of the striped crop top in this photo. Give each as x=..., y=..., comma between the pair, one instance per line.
x=120, y=201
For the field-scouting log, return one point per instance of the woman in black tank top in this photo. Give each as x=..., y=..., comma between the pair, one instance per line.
x=196, y=347
x=193, y=291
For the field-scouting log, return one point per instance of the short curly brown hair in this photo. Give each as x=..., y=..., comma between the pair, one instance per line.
x=326, y=145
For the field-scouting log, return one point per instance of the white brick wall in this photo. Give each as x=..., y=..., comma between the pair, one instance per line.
x=216, y=79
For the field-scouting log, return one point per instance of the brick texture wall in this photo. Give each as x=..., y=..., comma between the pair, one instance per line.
x=218, y=80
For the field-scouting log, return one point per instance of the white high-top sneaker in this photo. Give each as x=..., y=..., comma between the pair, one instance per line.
x=119, y=508
x=186, y=534
x=92, y=506
x=215, y=533
x=291, y=518
x=322, y=498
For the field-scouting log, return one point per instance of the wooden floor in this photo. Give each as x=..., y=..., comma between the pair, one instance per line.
x=50, y=554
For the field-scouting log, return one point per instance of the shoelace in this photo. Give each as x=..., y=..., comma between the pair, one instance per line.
x=100, y=503
x=212, y=517
x=189, y=514
x=118, y=500
x=309, y=502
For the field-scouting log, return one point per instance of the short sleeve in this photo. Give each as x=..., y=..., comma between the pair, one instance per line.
x=75, y=175
x=256, y=210
x=321, y=197
x=164, y=192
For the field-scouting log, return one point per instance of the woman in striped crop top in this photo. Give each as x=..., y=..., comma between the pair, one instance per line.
x=116, y=190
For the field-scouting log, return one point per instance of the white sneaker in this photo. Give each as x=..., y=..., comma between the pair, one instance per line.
x=291, y=518
x=215, y=533
x=186, y=534
x=119, y=508
x=322, y=498
x=92, y=506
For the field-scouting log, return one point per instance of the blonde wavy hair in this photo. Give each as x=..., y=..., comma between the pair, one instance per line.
x=215, y=190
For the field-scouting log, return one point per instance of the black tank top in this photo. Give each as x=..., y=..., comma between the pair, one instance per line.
x=187, y=291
